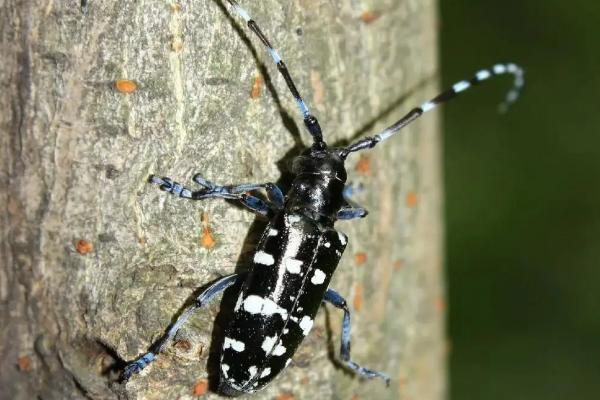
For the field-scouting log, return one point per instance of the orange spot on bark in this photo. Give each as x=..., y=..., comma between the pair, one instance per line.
x=358, y=297
x=285, y=396
x=360, y=258
x=440, y=304
x=397, y=265
x=200, y=388
x=402, y=383
x=305, y=381
x=207, y=240
x=176, y=7
x=125, y=85
x=369, y=17
x=25, y=364
x=255, y=92
x=355, y=397
x=411, y=199
x=84, y=247
x=317, y=87
x=363, y=166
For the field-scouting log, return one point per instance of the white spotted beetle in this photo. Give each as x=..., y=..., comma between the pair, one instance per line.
x=298, y=251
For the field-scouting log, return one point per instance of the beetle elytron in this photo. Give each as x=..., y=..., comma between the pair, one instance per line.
x=298, y=251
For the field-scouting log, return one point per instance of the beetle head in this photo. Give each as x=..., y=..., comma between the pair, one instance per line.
x=320, y=161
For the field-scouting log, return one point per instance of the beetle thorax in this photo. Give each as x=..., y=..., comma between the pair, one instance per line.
x=318, y=185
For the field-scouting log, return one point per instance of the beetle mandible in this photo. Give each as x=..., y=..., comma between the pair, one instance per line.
x=298, y=251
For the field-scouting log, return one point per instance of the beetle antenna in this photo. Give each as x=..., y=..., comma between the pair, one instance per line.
x=311, y=122
x=480, y=76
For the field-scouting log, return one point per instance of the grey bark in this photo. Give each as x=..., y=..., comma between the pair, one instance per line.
x=76, y=154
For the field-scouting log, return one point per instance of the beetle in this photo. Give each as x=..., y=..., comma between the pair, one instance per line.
x=299, y=249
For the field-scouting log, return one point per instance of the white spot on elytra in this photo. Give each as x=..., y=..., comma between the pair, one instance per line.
x=343, y=239
x=292, y=219
x=306, y=324
x=259, y=305
x=252, y=370
x=263, y=258
x=234, y=344
x=253, y=304
x=269, y=346
x=293, y=265
x=279, y=350
x=285, y=331
x=461, y=86
x=273, y=232
x=266, y=372
x=327, y=244
x=318, y=277
x=268, y=343
x=224, y=368
x=269, y=307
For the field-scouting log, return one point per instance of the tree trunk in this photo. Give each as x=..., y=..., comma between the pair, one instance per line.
x=95, y=262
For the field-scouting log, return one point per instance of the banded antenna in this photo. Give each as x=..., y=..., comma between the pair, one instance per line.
x=311, y=122
x=459, y=87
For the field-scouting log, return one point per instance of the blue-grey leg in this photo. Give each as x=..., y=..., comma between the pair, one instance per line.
x=351, y=210
x=231, y=192
x=159, y=346
x=338, y=301
x=352, y=213
x=273, y=192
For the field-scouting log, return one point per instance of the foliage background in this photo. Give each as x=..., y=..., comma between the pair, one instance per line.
x=522, y=201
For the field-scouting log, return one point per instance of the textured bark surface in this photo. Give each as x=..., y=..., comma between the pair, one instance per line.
x=76, y=155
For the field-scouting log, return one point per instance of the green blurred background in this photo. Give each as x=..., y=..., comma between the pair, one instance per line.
x=523, y=198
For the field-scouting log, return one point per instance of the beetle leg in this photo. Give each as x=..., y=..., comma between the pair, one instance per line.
x=352, y=213
x=231, y=192
x=338, y=301
x=159, y=346
x=351, y=210
x=273, y=192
